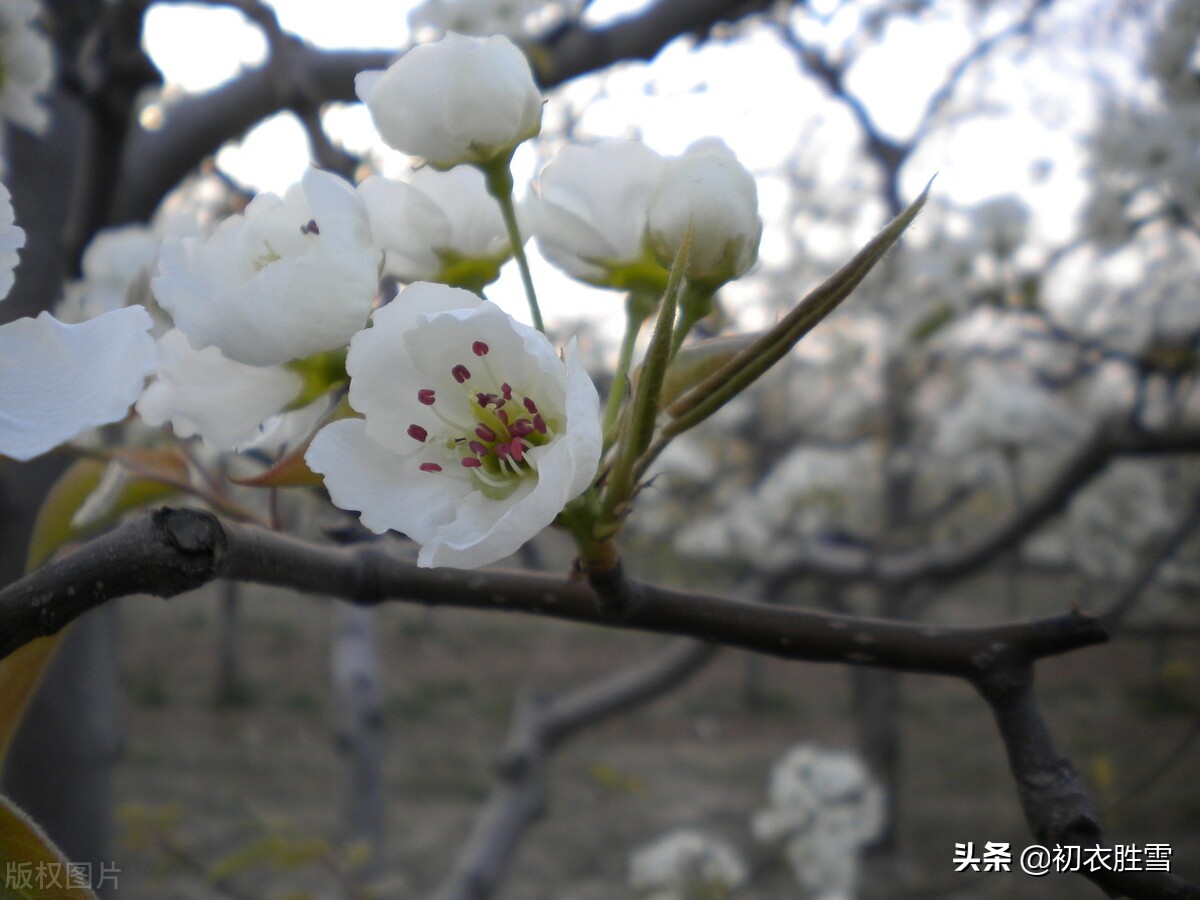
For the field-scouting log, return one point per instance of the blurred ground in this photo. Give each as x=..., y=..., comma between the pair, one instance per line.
x=697, y=758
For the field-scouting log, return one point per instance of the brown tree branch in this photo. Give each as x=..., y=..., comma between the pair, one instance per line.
x=174, y=550
x=539, y=726
x=901, y=569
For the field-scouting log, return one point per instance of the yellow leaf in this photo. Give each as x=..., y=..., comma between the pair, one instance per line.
x=33, y=868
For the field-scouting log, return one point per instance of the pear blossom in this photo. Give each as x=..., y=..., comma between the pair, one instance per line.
x=292, y=276
x=823, y=808
x=440, y=226
x=115, y=265
x=686, y=864
x=475, y=433
x=57, y=381
x=12, y=239
x=590, y=216
x=708, y=190
x=459, y=100
x=200, y=392
x=26, y=66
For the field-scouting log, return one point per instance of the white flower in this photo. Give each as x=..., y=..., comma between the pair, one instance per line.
x=710, y=191
x=290, y=277
x=590, y=217
x=114, y=263
x=460, y=100
x=475, y=435
x=200, y=392
x=26, y=66
x=441, y=226
x=686, y=864
x=12, y=239
x=57, y=381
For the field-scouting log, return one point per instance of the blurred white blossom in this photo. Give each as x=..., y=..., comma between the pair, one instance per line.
x=823, y=808
x=26, y=66
x=686, y=865
x=12, y=239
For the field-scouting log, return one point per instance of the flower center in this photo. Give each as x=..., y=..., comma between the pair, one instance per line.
x=505, y=424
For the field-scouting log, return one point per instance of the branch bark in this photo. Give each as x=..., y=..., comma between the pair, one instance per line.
x=171, y=551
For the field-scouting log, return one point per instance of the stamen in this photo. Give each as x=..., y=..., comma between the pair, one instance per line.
x=539, y=423
x=517, y=451
x=417, y=433
x=477, y=448
x=479, y=348
x=425, y=396
x=430, y=467
x=471, y=462
x=502, y=416
x=460, y=373
x=529, y=405
x=484, y=433
x=520, y=428
x=506, y=390
x=310, y=227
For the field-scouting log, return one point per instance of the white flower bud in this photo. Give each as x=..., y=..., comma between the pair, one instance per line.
x=459, y=100
x=710, y=191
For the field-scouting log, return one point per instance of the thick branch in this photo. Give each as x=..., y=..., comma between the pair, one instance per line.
x=1056, y=804
x=171, y=551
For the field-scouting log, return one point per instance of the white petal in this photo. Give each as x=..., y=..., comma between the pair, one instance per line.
x=200, y=392
x=389, y=490
x=57, y=381
x=12, y=239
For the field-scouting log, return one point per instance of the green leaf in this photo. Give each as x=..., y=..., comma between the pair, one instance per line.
x=32, y=866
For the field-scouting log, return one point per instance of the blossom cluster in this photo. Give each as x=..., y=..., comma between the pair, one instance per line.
x=460, y=427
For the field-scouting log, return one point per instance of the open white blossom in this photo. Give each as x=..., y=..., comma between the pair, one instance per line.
x=476, y=434
x=26, y=66
x=12, y=239
x=200, y=392
x=290, y=277
x=57, y=381
x=590, y=215
x=686, y=864
x=459, y=100
x=823, y=808
x=440, y=226
x=708, y=190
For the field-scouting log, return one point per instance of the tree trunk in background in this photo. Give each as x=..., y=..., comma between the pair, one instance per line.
x=877, y=716
x=358, y=707
x=59, y=764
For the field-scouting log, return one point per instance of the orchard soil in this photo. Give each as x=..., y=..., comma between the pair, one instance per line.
x=200, y=782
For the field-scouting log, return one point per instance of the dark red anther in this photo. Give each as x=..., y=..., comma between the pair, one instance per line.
x=506, y=390
x=417, y=433
x=310, y=227
x=484, y=433
x=517, y=451
x=529, y=405
x=501, y=450
x=520, y=428
x=502, y=416
x=425, y=396
x=430, y=467
x=479, y=348
x=471, y=462
x=477, y=448
x=460, y=373
x=539, y=423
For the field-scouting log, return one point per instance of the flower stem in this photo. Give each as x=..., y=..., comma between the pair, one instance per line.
x=637, y=313
x=500, y=185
